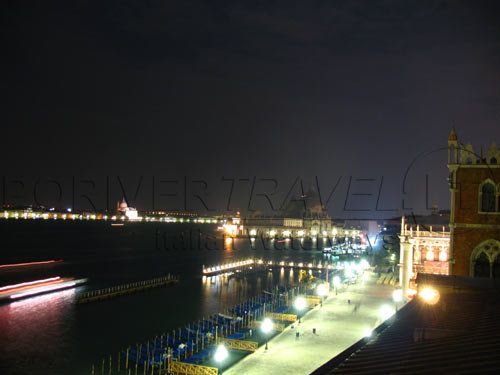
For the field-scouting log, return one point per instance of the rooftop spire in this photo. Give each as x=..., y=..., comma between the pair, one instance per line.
x=452, y=136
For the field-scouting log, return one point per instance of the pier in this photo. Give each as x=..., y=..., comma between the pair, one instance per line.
x=259, y=264
x=119, y=290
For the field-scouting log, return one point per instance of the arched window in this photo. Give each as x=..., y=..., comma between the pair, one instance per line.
x=429, y=255
x=493, y=161
x=482, y=266
x=443, y=254
x=485, y=259
x=487, y=197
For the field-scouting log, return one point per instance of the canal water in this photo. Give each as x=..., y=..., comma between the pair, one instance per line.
x=51, y=334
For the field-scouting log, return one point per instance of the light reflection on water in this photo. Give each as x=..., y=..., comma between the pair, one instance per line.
x=35, y=329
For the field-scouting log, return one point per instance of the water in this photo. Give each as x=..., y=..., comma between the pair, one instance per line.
x=50, y=334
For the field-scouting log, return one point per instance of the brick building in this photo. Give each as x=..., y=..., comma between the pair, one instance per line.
x=475, y=210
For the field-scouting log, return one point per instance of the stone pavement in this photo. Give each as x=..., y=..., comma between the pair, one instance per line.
x=338, y=325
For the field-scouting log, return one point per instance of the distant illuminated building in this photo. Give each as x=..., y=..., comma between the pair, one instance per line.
x=423, y=249
x=301, y=217
x=234, y=227
x=130, y=212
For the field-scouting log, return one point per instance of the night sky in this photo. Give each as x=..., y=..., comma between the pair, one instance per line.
x=348, y=91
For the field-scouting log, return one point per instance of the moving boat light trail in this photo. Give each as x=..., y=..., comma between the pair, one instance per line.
x=30, y=263
x=30, y=288
x=29, y=284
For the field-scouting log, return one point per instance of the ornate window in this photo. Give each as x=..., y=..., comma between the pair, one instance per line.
x=487, y=197
x=485, y=259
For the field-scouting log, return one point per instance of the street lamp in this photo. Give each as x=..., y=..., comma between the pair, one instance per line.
x=220, y=355
x=300, y=304
x=336, y=284
x=267, y=326
x=397, y=296
x=429, y=295
x=386, y=312
x=322, y=290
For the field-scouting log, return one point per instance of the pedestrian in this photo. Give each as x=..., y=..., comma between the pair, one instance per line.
x=348, y=301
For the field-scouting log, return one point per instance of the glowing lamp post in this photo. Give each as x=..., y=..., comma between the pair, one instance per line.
x=336, y=284
x=267, y=326
x=386, y=312
x=322, y=291
x=367, y=332
x=429, y=295
x=220, y=355
x=300, y=304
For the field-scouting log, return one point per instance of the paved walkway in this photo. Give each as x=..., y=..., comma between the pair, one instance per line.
x=338, y=325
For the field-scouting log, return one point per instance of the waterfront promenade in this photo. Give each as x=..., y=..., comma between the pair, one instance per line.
x=338, y=325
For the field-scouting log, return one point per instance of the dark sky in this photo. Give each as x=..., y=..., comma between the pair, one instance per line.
x=349, y=90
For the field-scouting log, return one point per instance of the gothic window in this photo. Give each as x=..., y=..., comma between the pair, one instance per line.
x=482, y=266
x=493, y=161
x=485, y=259
x=487, y=196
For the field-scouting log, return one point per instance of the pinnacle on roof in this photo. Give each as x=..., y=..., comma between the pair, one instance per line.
x=452, y=136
